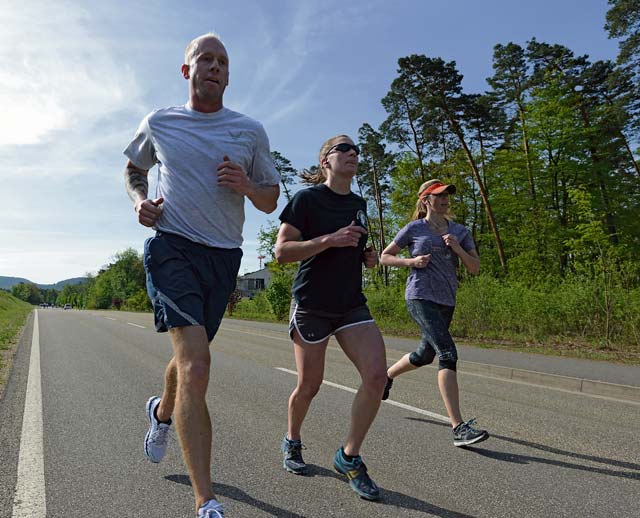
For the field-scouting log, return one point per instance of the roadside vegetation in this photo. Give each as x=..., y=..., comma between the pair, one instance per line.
x=568, y=319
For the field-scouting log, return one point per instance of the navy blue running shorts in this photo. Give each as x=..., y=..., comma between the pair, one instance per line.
x=314, y=325
x=188, y=283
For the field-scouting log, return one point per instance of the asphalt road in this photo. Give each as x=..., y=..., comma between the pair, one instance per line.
x=552, y=453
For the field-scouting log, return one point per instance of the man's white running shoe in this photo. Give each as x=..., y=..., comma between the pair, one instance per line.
x=211, y=509
x=155, y=442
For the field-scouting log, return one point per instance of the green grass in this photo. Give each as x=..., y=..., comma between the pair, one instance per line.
x=13, y=314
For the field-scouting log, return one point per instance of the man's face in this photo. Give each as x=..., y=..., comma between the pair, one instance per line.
x=207, y=69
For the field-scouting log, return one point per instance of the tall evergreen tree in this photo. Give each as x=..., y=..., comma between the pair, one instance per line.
x=405, y=122
x=286, y=170
x=510, y=84
x=623, y=21
x=373, y=179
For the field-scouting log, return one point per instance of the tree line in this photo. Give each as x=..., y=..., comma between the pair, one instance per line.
x=118, y=285
x=548, y=180
x=546, y=165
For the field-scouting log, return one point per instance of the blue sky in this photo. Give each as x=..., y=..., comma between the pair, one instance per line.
x=76, y=77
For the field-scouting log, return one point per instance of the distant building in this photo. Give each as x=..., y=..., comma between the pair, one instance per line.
x=251, y=283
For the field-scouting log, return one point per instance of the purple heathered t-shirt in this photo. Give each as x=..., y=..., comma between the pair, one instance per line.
x=436, y=282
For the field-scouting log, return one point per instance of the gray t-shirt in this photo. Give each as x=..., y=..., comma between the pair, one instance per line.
x=438, y=281
x=188, y=146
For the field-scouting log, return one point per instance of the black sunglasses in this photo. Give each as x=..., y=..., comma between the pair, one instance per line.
x=343, y=147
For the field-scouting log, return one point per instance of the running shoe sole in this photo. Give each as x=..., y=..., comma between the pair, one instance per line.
x=469, y=442
x=301, y=471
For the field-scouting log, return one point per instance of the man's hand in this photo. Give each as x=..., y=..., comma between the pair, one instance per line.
x=370, y=257
x=347, y=236
x=232, y=175
x=420, y=261
x=149, y=211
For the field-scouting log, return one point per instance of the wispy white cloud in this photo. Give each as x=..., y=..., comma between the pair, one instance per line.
x=280, y=83
x=295, y=105
x=54, y=74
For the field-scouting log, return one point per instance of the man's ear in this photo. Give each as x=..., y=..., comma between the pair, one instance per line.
x=185, y=71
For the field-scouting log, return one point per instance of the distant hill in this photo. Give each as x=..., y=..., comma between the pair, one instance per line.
x=8, y=282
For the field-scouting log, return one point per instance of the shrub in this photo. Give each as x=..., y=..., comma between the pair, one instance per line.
x=234, y=298
x=139, y=301
x=257, y=308
x=279, y=295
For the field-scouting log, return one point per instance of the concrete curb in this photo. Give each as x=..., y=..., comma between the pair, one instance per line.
x=585, y=386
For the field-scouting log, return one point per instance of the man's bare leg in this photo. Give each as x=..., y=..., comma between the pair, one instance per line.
x=168, y=401
x=193, y=424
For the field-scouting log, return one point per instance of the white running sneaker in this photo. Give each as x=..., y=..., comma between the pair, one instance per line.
x=211, y=509
x=155, y=442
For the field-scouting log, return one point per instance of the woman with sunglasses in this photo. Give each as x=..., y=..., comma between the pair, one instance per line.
x=324, y=227
x=435, y=244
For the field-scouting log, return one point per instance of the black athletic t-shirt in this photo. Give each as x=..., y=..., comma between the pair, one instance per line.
x=331, y=280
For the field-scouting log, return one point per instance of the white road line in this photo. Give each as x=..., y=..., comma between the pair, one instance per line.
x=109, y=318
x=29, y=500
x=388, y=401
x=420, y=411
x=136, y=325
